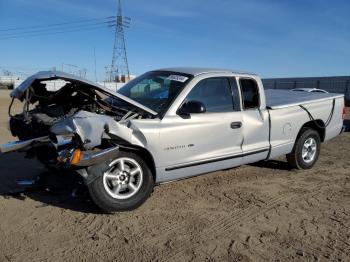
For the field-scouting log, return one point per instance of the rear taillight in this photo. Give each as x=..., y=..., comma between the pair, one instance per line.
x=344, y=112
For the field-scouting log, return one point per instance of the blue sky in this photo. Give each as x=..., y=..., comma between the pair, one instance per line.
x=273, y=38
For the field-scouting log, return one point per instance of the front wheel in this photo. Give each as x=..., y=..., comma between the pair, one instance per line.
x=306, y=149
x=124, y=184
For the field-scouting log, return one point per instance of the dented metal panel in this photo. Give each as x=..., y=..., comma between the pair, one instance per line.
x=92, y=127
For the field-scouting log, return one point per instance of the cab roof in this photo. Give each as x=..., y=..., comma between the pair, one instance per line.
x=195, y=71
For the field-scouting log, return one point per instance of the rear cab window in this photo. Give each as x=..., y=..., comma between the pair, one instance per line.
x=250, y=93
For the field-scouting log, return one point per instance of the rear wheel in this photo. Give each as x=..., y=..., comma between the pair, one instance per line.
x=306, y=149
x=124, y=184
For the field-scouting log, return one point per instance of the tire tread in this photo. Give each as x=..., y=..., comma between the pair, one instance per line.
x=293, y=158
x=110, y=205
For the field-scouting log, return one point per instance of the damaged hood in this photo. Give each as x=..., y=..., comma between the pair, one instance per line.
x=19, y=92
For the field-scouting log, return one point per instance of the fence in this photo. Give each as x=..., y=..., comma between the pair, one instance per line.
x=339, y=85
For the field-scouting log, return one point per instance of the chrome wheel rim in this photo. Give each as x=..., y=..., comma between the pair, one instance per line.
x=309, y=150
x=123, y=179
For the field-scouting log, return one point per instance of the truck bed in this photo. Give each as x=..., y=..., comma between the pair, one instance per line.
x=276, y=99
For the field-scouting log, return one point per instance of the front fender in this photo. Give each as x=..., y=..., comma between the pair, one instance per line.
x=92, y=128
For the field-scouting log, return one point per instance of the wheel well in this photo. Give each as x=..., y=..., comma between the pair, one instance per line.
x=145, y=155
x=317, y=125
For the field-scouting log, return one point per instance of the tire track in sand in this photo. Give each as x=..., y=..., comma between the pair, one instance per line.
x=226, y=225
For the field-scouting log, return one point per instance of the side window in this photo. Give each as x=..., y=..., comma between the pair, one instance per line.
x=250, y=93
x=214, y=93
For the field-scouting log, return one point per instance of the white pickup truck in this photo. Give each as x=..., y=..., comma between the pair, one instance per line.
x=166, y=125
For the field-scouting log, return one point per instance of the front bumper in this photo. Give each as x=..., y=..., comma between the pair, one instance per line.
x=65, y=156
x=78, y=158
x=22, y=145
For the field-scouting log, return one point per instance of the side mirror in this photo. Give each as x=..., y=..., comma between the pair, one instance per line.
x=191, y=107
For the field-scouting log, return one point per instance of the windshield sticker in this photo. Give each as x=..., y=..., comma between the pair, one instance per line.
x=177, y=78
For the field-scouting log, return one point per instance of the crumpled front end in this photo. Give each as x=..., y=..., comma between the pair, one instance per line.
x=94, y=138
x=77, y=125
x=81, y=140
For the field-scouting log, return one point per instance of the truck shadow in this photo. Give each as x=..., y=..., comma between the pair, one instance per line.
x=64, y=190
x=347, y=125
x=273, y=164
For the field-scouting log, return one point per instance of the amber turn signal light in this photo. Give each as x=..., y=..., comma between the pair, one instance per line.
x=77, y=155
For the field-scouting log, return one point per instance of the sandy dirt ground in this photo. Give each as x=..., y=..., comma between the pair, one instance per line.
x=260, y=212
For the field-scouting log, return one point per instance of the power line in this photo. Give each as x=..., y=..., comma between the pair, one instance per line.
x=24, y=33
x=21, y=68
x=95, y=64
x=57, y=24
x=55, y=32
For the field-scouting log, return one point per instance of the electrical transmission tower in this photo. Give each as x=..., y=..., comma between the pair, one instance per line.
x=119, y=64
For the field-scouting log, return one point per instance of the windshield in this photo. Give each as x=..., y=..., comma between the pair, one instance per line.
x=155, y=90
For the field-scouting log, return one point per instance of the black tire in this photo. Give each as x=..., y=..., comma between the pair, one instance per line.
x=295, y=158
x=109, y=204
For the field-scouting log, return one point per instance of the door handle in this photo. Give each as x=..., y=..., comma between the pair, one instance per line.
x=236, y=125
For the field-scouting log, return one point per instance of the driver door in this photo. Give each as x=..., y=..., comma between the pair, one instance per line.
x=203, y=142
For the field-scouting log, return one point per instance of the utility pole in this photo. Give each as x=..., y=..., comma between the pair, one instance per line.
x=119, y=64
x=95, y=64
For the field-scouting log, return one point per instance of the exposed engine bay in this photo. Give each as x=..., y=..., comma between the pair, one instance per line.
x=52, y=106
x=77, y=114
